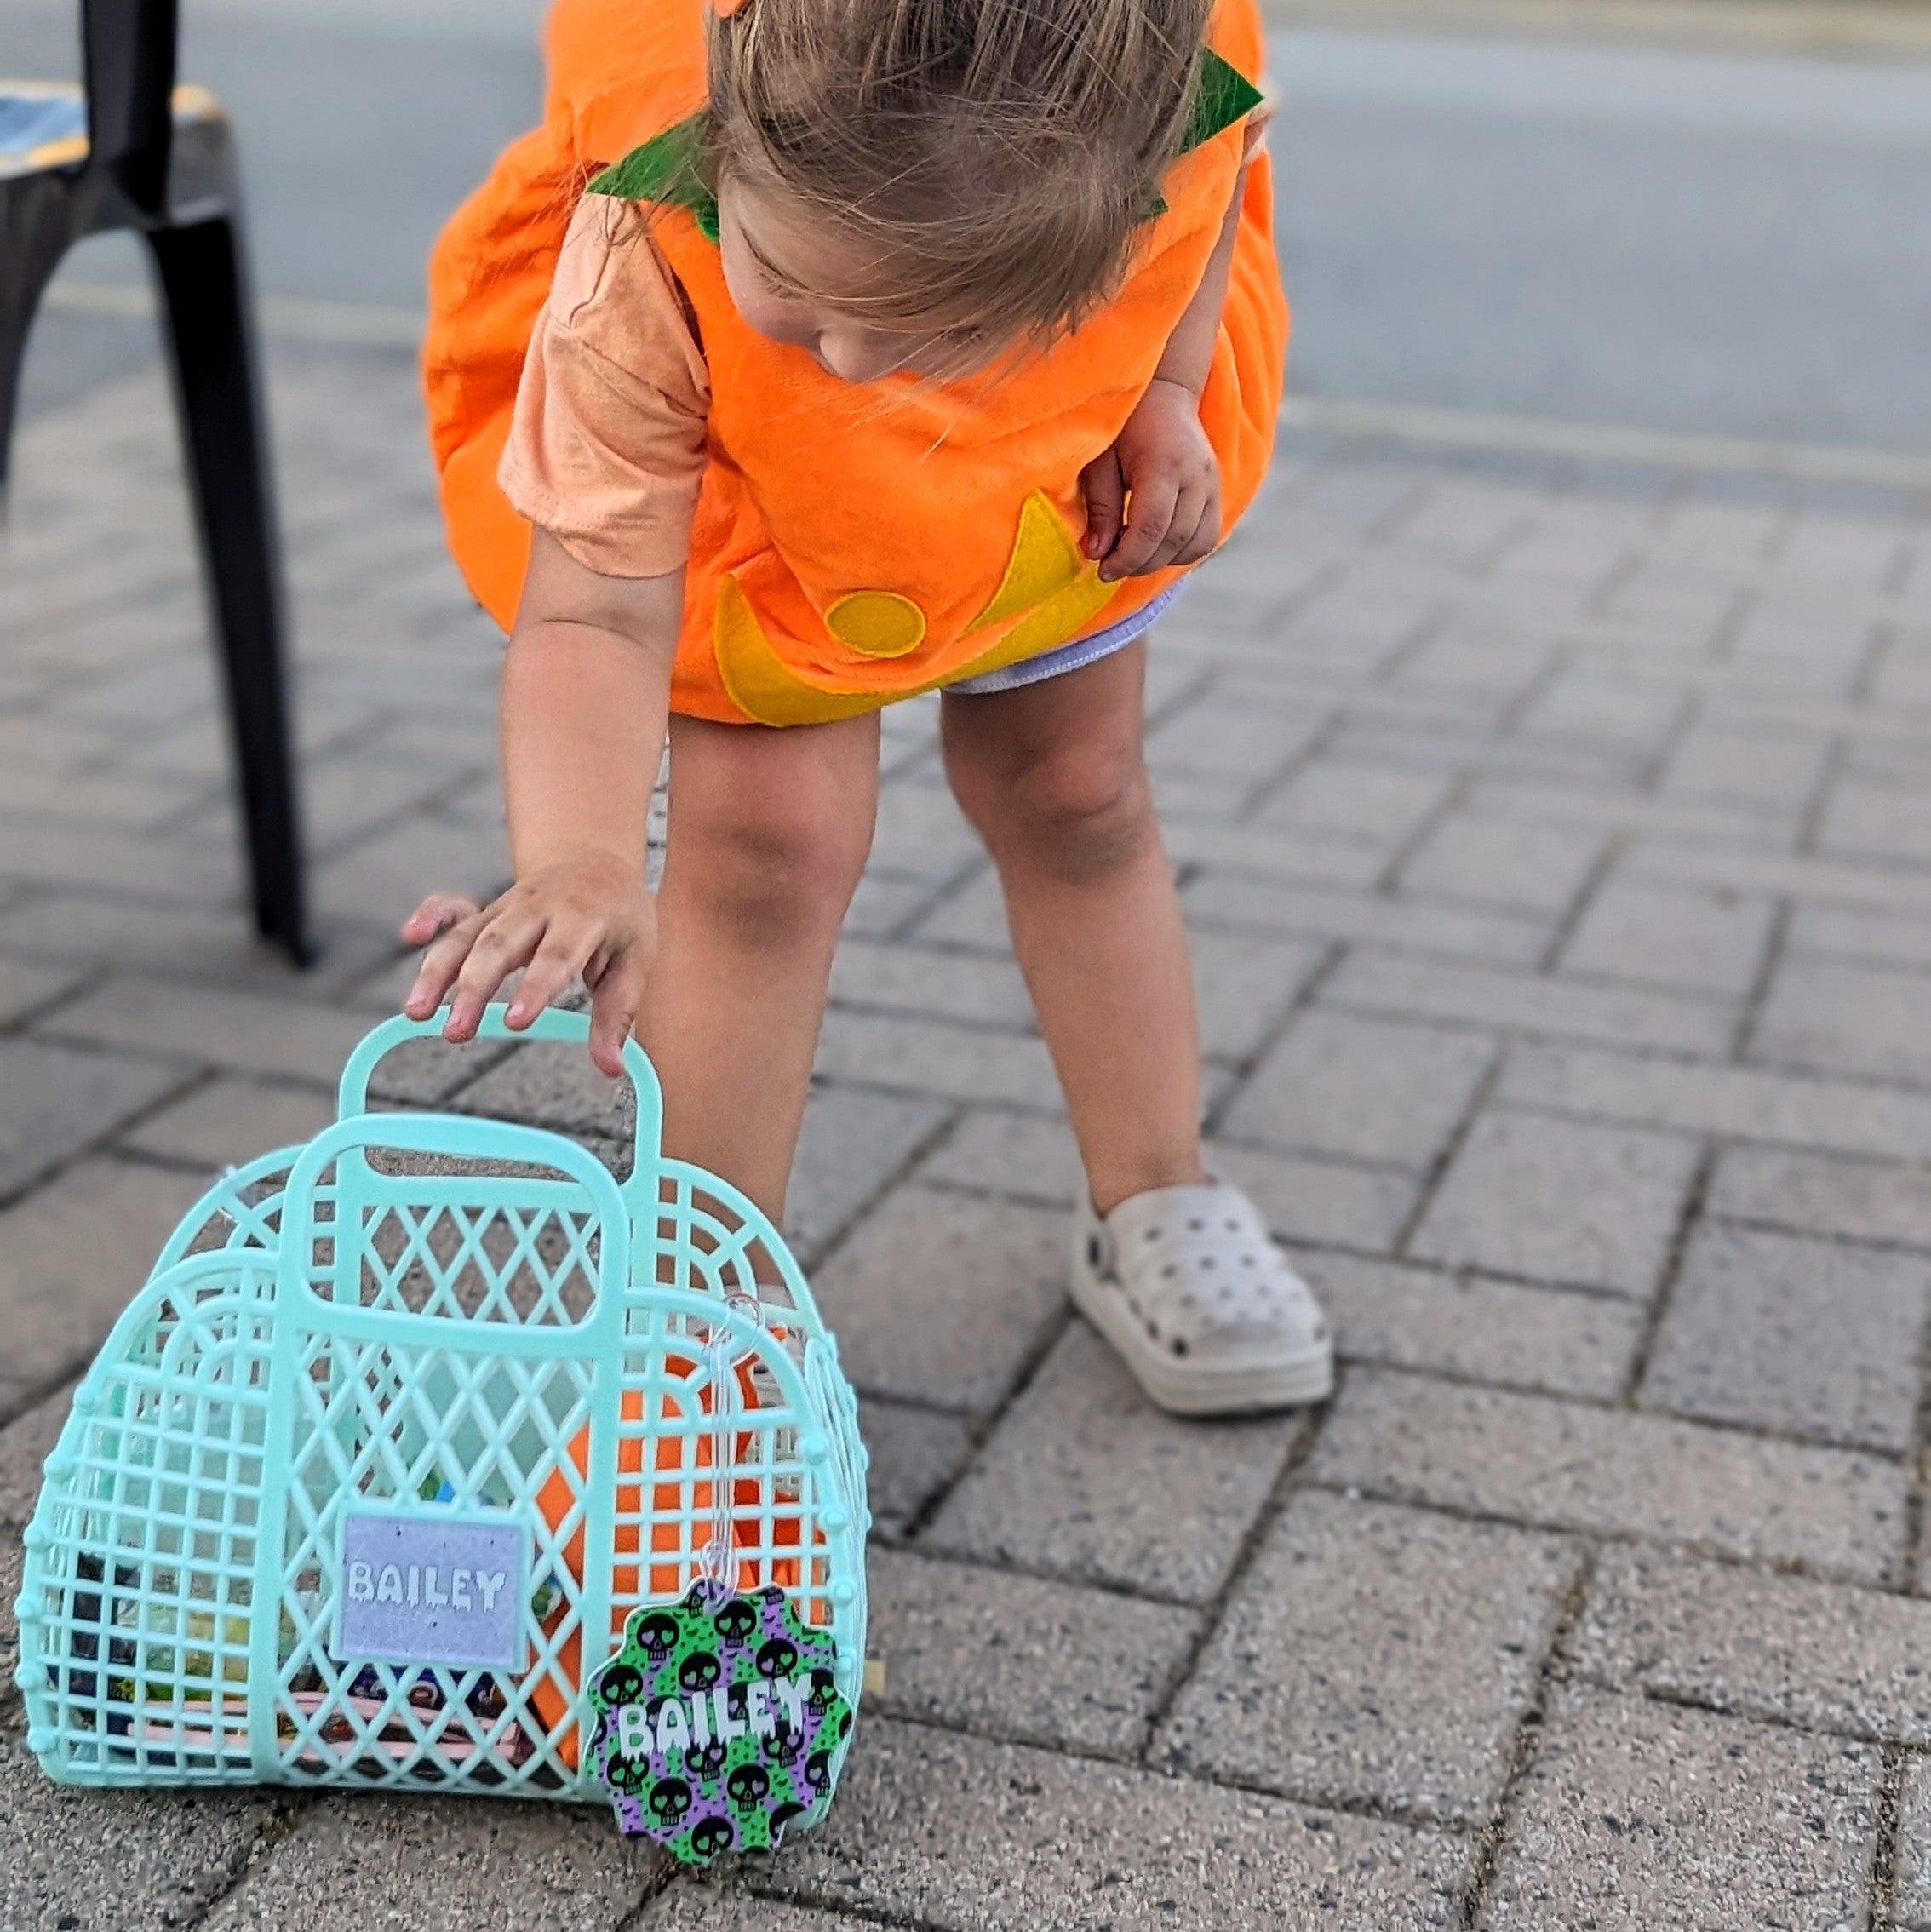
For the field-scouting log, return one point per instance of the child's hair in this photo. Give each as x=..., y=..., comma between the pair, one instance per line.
x=997, y=155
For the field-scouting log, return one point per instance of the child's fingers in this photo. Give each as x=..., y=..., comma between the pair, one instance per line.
x=552, y=969
x=1189, y=510
x=507, y=941
x=440, y=965
x=438, y=910
x=1206, y=532
x=1155, y=499
x=1103, y=484
x=615, y=999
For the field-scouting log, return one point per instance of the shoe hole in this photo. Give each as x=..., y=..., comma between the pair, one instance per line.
x=1179, y=1344
x=1206, y=1261
x=1196, y=1225
x=1095, y=1254
x=1151, y=1234
x=1167, y=1273
x=1247, y=1261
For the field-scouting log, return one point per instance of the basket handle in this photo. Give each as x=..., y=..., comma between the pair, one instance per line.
x=551, y=1024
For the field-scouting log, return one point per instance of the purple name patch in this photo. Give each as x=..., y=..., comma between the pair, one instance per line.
x=432, y=1588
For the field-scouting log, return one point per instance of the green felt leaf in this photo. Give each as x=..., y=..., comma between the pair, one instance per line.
x=664, y=169
x=1223, y=94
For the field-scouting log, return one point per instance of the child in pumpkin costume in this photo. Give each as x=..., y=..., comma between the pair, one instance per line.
x=813, y=354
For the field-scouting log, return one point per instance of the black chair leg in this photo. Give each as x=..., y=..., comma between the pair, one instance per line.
x=221, y=421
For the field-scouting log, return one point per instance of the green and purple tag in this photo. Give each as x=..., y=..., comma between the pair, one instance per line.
x=719, y=1722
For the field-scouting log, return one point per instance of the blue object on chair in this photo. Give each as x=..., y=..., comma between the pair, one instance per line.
x=131, y=150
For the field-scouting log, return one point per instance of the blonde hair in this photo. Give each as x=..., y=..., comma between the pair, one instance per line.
x=994, y=157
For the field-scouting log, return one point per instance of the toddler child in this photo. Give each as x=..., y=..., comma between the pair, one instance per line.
x=816, y=353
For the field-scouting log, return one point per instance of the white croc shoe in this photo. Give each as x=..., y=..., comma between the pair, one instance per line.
x=1187, y=1284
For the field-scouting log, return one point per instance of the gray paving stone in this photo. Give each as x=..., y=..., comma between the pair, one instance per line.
x=72, y=1256
x=1712, y=942
x=1875, y=938
x=1860, y=1200
x=243, y=1032
x=101, y=1861
x=1845, y=1018
x=1728, y=762
x=55, y=1100
x=960, y=1063
x=1374, y=1655
x=924, y=980
x=230, y=1120
x=546, y=1084
x=1878, y=821
x=1911, y=1868
x=960, y=1835
x=691, y=1904
x=1636, y=1814
x=23, y=987
x=1216, y=738
x=1462, y=1325
x=1823, y=1656
x=1238, y=900
x=1371, y=1089
x=382, y=880
x=1570, y=1466
x=1355, y=799
x=13, y=1559
x=1085, y=1479
x=1860, y=885
x=25, y=1443
x=443, y=1865
x=921, y=832
x=1010, y=1153
x=1022, y=1659
x=1560, y=1200
x=1278, y=853
x=1703, y=1096
x=1381, y=983
x=882, y=905
x=850, y=1146
x=1318, y=1200
x=1784, y=1331
x=1504, y=861
x=1242, y=985
x=914, y=1454
x=942, y=1298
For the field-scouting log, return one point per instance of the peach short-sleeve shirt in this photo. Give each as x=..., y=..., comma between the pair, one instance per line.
x=606, y=449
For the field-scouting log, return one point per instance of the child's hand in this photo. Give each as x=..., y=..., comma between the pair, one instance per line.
x=590, y=915
x=1163, y=457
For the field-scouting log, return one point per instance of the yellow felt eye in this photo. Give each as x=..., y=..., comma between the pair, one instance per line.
x=880, y=623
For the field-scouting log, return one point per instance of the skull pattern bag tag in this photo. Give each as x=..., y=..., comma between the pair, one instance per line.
x=718, y=1723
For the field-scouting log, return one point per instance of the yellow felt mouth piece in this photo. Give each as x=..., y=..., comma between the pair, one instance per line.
x=1047, y=593
x=878, y=623
x=1045, y=561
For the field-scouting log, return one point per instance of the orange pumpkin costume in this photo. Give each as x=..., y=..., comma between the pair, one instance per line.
x=852, y=544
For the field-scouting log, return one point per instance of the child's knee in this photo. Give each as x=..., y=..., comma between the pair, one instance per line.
x=1078, y=811
x=778, y=865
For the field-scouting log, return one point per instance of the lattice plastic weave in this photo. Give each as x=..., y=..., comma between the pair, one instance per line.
x=452, y=1328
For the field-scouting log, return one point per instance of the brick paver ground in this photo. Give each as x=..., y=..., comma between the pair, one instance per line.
x=1559, y=848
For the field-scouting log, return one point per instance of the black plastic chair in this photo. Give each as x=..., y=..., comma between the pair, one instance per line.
x=129, y=149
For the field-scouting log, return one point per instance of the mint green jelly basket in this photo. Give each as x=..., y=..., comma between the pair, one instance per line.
x=367, y=1479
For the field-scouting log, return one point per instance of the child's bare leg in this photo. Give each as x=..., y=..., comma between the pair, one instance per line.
x=1053, y=776
x=769, y=832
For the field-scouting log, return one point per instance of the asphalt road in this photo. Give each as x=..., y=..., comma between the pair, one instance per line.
x=1728, y=243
